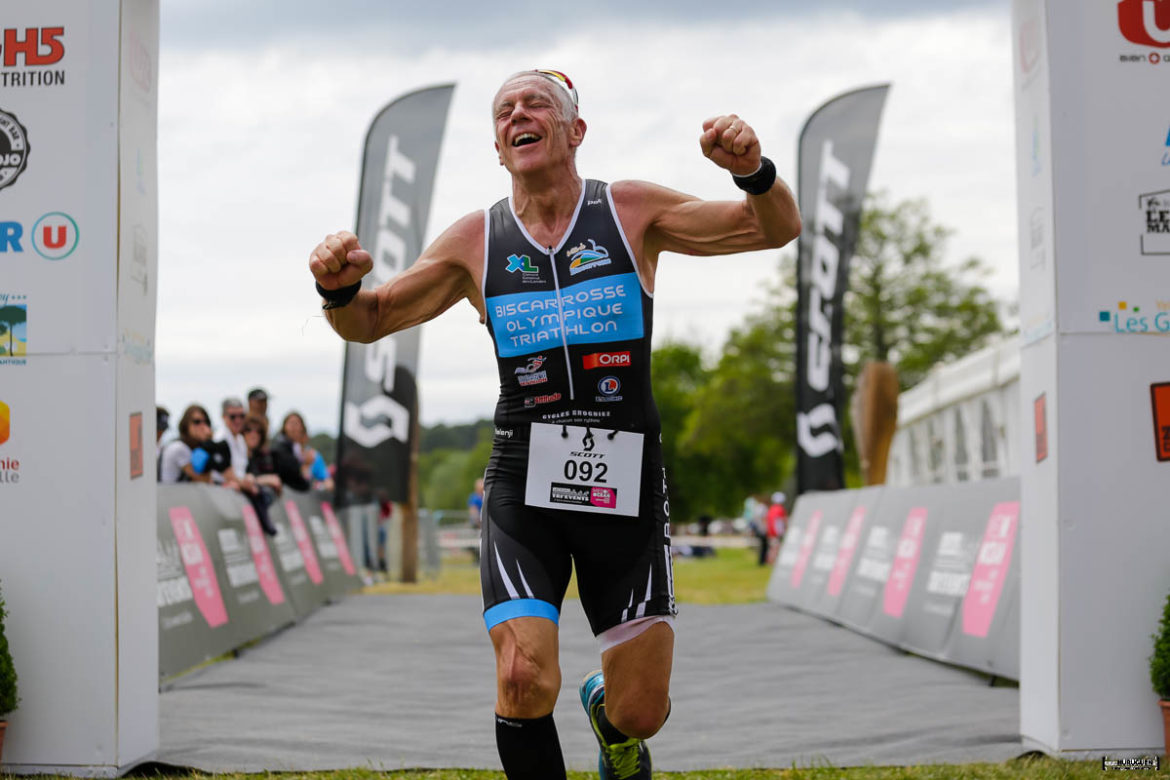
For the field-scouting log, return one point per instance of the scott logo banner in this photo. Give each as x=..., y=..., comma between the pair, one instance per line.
x=379, y=391
x=835, y=156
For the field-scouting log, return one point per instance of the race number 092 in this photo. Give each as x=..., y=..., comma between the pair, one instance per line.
x=585, y=471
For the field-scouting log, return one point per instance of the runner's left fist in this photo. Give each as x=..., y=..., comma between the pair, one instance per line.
x=731, y=143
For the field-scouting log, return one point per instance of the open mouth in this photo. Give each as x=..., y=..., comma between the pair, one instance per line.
x=524, y=139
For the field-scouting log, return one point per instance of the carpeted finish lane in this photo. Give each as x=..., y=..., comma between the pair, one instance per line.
x=391, y=682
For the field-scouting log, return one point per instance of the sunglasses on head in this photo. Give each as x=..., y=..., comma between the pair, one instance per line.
x=560, y=78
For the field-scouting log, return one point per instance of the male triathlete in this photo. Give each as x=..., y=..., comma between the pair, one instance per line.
x=562, y=274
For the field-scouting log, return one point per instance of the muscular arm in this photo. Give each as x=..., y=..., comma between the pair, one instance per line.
x=442, y=276
x=669, y=221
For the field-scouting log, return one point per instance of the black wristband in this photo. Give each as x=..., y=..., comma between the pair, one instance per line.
x=759, y=182
x=335, y=299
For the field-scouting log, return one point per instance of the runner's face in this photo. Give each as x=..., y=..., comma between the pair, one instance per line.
x=531, y=129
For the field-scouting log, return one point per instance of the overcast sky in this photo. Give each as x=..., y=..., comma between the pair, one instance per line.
x=263, y=108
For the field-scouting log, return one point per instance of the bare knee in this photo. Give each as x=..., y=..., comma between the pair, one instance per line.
x=640, y=717
x=527, y=681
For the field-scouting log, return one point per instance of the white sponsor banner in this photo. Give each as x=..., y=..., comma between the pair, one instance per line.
x=1093, y=175
x=76, y=385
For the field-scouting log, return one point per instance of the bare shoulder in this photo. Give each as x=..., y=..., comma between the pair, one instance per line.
x=644, y=196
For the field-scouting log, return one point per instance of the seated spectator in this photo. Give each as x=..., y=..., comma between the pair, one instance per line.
x=293, y=441
x=262, y=470
x=175, y=462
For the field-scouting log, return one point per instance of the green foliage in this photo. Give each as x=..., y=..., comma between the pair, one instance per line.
x=905, y=305
x=8, y=696
x=453, y=437
x=447, y=476
x=326, y=444
x=1160, y=660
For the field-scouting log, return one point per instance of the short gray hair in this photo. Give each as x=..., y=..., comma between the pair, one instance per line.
x=568, y=109
x=232, y=402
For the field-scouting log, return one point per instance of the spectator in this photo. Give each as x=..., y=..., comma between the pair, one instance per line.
x=261, y=467
x=300, y=466
x=162, y=422
x=258, y=403
x=175, y=462
x=475, y=505
x=231, y=432
x=776, y=521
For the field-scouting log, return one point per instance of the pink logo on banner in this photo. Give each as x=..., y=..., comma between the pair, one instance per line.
x=200, y=571
x=846, y=550
x=301, y=535
x=905, y=563
x=269, y=582
x=995, y=555
x=338, y=538
x=806, y=547
x=604, y=497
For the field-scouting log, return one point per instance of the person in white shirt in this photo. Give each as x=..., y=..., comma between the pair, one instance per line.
x=232, y=432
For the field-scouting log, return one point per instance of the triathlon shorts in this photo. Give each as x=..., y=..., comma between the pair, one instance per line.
x=527, y=553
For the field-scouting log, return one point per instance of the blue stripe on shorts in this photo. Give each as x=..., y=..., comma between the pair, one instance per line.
x=515, y=608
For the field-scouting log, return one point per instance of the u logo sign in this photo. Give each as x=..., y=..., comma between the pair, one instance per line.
x=1145, y=22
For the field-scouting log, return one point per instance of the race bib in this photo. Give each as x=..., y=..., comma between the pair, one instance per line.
x=584, y=469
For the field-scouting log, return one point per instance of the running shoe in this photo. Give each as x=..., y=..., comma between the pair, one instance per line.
x=629, y=760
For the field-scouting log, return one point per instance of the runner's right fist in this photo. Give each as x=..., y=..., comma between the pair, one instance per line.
x=339, y=261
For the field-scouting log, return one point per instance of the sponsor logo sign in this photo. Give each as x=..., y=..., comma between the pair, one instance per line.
x=27, y=54
x=300, y=533
x=582, y=495
x=807, y=542
x=590, y=312
x=905, y=566
x=1159, y=398
x=845, y=551
x=9, y=466
x=607, y=360
x=54, y=236
x=529, y=273
x=1154, y=209
x=991, y=565
x=13, y=329
x=199, y=568
x=582, y=258
x=1129, y=317
x=530, y=373
x=1145, y=22
x=13, y=148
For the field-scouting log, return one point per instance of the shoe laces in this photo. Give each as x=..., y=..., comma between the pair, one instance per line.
x=624, y=758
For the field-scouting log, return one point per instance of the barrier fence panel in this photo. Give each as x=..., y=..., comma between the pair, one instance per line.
x=193, y=618
x=255, y=599
x=222, y=582
x=930, y=569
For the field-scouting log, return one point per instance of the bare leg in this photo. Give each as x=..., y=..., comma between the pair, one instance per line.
x=637, y=681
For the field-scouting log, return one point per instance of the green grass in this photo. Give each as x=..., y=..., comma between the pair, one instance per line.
x=731, y=577
x=1030, y=768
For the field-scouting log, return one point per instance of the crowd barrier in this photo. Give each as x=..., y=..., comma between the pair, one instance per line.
x=931, y=569
x=223, y=582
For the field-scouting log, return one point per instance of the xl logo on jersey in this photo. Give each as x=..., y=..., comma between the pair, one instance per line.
x=582, y=258
x=607, y=360
x=1145, y=22
x=520, y=263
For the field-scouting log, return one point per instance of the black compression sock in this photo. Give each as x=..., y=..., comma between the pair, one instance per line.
x=609, y=732
x=529, y=748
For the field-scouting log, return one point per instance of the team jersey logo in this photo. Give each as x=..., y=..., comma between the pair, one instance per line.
x=520, y=263
x=530, y=373
x=582, y=258
x=607, y=360
x=609, y=387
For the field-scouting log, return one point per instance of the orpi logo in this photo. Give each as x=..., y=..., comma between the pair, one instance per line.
x=13, y=148
x=55, y=236
x=1145, y=22
x=606, y=360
